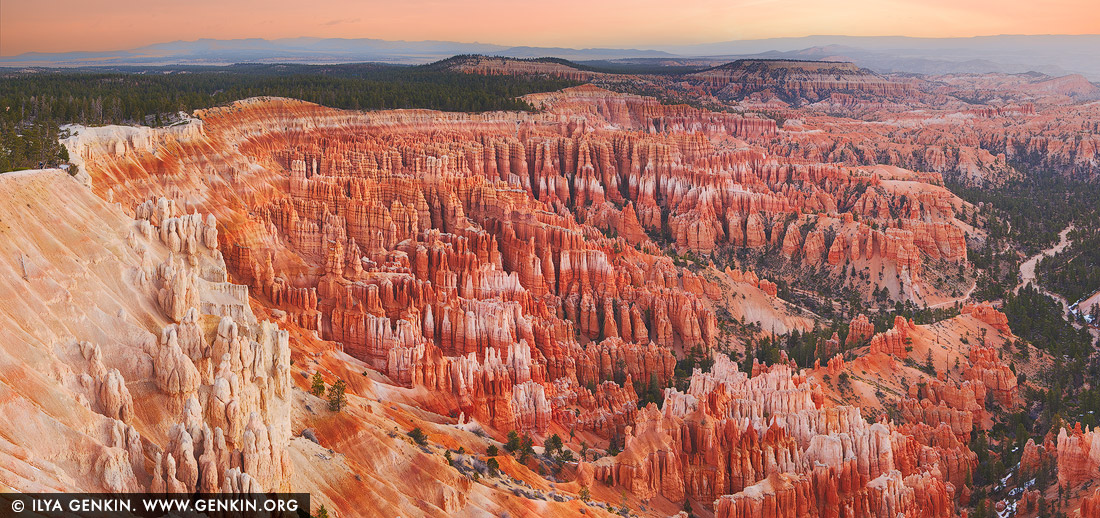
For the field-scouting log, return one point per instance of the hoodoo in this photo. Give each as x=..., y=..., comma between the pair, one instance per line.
x=649, y=286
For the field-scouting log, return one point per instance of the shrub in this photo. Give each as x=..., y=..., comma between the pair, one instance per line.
x=418, y=436
x=615, y=445
x=318, y=387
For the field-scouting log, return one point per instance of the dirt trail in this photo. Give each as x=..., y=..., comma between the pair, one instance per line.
x=1027, y=274
x=1027, y=269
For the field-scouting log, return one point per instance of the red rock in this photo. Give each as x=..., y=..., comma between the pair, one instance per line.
x=629, y=226
x=1031, y=459
x=924, y=411
x=813, y=248
x=795, y=79
x=836, y=365
x=1028, y=502
x=988, y=314
x=998, y=378
x=894, y=341
x=707, y=443
x=859, y=330
x=754, y=231
x=828, y=348
x=836, y=251
x=485, y=261
x=792, y=241
x=1078, y=456
x=1090, y=505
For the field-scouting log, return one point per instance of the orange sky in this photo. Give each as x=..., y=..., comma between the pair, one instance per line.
x=67, y=25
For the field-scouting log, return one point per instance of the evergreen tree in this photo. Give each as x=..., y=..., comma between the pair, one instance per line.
x=318, y=385
x=552, y=444
x=337, y=400
x=513, y=442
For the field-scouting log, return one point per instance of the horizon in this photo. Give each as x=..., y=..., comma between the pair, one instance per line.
x=639, y=47
x=621, y=24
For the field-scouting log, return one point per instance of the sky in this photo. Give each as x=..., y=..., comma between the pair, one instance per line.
x=91, y=25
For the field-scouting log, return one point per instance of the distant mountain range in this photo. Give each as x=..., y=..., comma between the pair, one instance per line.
x=1052, y=55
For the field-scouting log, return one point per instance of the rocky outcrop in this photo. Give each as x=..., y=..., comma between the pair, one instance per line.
x=1090, y=505
x=1078, y=456
x=797, y=81
x=112, y=394
x=924, y=411
x=647, y=114
x=988, y=314
x=1031, y=459
x=713, y=443
x=888, y=495
x=895, y=341
x=175, y=372
x=135, y=400
x=986, y=367
x=859, y=330
x=237, y=428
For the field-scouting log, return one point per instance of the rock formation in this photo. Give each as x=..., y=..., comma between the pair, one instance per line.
x=895, y=341
x=988, y=314
x=859, y=330
x=796, y=80
x=1078, y=456
x=136, y=396
x=505, y=271
x=713, y=442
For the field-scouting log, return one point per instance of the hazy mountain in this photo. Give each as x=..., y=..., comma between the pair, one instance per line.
x=295, y=50
x=1052, y=54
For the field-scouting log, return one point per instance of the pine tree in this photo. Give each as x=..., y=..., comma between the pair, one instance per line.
x=494, y=466
x=337, y=400
x=552, y=444
x=513, y=442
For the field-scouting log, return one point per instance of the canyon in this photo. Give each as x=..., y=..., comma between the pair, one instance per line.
x=979, y=127
x=586, y=270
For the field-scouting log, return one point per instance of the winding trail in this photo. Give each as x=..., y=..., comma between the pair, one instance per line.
x=951, y=302
x=1027, y=275
x=1027, y=269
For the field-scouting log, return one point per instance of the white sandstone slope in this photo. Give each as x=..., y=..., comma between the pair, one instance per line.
x=127, y=362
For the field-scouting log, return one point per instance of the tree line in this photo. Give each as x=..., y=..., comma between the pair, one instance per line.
x=34, y=105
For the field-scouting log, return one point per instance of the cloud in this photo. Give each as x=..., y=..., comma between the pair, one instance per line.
x=341, y=21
